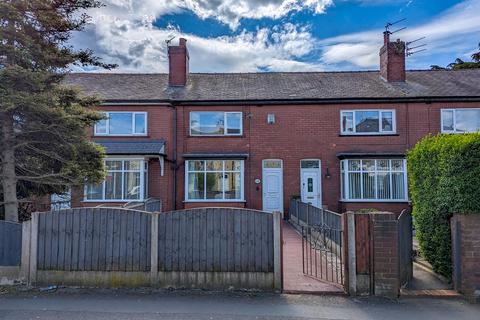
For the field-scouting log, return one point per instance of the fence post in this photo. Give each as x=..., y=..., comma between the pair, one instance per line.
x=25, y=262
x=296, y=212
x=154, y=250
x=352, y=260
x=32, y=278
x=277, y=250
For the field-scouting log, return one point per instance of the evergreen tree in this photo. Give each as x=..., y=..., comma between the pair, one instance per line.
x=43, y=138
x=460, y=64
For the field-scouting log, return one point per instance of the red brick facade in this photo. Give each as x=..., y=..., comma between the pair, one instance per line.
x=466, y=255
x=299, y=132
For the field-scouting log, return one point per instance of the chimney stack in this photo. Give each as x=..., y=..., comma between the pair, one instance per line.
x=178, y=64
x=392, y=59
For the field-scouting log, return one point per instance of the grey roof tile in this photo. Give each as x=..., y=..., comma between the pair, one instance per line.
x=279, y=85
x=150, y=147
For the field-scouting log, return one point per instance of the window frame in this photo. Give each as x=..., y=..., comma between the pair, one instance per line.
x=143, y=180
x=242, y=181
x=454, y=110
x=344, y=184
x=225, y=133
x=379, y=133
x=107, y=124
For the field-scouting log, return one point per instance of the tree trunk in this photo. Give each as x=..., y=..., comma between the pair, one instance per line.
x=9, y=177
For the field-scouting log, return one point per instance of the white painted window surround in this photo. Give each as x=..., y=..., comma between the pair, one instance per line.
x=216, y=123
x=214, y=180
x=122, y=123
x=463, y=120
x=374, y=180
x=368, y=122
x=126, y=180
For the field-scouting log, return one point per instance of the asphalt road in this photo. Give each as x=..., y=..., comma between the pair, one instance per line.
x=147, y=304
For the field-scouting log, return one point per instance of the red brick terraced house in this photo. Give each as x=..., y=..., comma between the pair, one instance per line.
x=334, y=139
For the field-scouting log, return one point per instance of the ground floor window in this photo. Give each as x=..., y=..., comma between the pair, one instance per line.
x=125, y=181
x=374, y=180
x=214, y=180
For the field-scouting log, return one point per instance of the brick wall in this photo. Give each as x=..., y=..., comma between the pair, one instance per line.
x=300, y=132
x=385, y=254
x=466, y=255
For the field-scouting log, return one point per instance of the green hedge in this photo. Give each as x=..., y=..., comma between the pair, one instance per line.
x=444, y=178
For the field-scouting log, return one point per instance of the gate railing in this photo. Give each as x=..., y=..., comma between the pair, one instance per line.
x=305, y=214
x=322, y=253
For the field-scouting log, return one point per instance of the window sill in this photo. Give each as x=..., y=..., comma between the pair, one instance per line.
x=374, y=201
x=113, y=201
x=213, y=200
x=367, y=134
x=216, y=136
x=120, y=136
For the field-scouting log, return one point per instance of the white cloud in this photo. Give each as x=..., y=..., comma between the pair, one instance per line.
x=136, y=45
x=455, y=31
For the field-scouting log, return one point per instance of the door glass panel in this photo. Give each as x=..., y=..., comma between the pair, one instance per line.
x=310, y=185
x=272, y=164
x=309, y=164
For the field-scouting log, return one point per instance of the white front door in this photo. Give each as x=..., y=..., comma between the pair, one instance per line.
x=272, y=185
x=310, y=182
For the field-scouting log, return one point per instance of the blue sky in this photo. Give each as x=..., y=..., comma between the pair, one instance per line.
x=277, y=35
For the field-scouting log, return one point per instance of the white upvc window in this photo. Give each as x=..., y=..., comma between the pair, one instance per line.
x=374, y=180
x=125, y=181
x=214, y=180
x=460, y=120
x=121, y=123
x=367, y=122
x=214, y=123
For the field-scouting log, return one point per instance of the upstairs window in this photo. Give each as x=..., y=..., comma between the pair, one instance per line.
x=365, y=122
x=122, y=124
x=460, y=120
x=207, y=123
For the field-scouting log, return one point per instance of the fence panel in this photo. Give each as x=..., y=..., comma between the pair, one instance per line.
x=10, y=243
x=94, y=239
x=405, y=247
x=216, y=240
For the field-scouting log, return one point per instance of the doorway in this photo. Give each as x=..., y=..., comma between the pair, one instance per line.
x=272, y=177
x=310, y=182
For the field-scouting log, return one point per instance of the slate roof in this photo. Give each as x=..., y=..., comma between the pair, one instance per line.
x=150, y=147
x=279, y=86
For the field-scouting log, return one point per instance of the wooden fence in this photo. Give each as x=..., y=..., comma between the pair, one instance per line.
x=204, y=248
x=100, y=239
x=216, y=240
x=10, y=243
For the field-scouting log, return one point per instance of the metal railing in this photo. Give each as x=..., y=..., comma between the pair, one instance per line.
x=306, y=214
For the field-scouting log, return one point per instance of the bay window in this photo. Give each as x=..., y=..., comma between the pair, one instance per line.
x=122, y=124
x=374, y=180
x=460, y=120
x=212, y=123
x=214, y=180
x=365, y=122
x=125, y=181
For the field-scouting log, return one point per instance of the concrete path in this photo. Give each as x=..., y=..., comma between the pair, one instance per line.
x=198, y=305
x=294, y=281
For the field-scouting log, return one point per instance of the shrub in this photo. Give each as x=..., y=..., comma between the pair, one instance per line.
x=444, y=178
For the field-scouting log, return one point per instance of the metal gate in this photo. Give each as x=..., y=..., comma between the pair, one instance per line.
x=322, y=253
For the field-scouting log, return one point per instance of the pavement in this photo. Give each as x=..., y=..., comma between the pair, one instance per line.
x=146, y=304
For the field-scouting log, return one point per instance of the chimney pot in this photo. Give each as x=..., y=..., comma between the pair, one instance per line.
x=178, y=60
